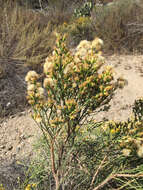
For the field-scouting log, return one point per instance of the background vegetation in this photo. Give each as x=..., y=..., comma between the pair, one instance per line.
x=105, y=155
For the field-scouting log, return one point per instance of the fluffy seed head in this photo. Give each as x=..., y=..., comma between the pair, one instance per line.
x=81, y=53
x=48, y=81
x=47, y=67
x=126, y=152
x=84, y=44
x=97, y=44
x=40, y=91
x=140, y=151
x=30, y=87
x=31, y=76
x=68, y=68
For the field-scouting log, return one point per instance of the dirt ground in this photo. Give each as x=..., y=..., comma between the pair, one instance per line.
x=17, y=133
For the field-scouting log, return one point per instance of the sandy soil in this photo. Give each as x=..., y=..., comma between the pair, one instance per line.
x=18, y=133
x=131, y=69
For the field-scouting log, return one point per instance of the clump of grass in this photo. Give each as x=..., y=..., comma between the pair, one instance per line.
x=24, y=34
x=119, y=24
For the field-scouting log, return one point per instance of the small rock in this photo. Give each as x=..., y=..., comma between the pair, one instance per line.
x=127, y=67
x=18, y=149
x=2, y=147
x=10, y=147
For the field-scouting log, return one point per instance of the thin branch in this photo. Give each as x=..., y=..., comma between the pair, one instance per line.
x=96, y=173
x=114, y=176
x=128, y=175
x=82, y=167
x=53, y=160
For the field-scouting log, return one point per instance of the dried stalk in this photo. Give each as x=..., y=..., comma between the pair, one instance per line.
x=114, y=176
x=100, y=166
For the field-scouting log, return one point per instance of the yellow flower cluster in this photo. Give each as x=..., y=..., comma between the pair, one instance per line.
x=132, y=143
x=84, y=45
x=37, y=117
x=69, y=68
x=82, y=20
x=97, y=44
x=126, y=152
x=56, y=121
x=130, y=133
x=112, y=126
x=30, y=186
x=139, y=146
x=70, y=103
x=34, y=91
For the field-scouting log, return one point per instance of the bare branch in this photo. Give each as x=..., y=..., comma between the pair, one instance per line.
x=100, y=166
x=114, y=176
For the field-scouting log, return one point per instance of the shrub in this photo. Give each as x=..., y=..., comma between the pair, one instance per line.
x=74, y=87
x=138, y=109
x=78, y=29
x=98, y=159
x=129, y=132
x=85, y=10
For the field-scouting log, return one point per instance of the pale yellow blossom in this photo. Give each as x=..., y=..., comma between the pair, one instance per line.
x=47, y=67
x=40, y=91
x=140, y=151
x=31, y=76
x=47, y=59
x=38, y=119
x=30, y=87
x=48, y=81
x=81, y=53
x=28, y=187
x=74, y=85
x=54, y=53
x=84, y=44
x=68, y=68
x=126, y=152
x=97, y=44
x=100, y=58
x=137, y=142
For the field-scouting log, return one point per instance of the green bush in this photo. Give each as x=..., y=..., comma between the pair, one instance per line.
x=138, y=109
x=85, y=10
x=77, y=29
x=73, y=88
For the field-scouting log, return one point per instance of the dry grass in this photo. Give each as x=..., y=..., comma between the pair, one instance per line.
x=25, y=35
x=120, y=25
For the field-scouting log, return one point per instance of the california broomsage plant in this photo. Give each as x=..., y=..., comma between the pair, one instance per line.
x=74, y=86
x=128, y=134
